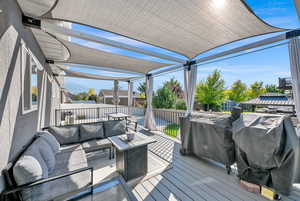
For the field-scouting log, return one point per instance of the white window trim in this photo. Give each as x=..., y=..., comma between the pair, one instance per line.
x=25, y=50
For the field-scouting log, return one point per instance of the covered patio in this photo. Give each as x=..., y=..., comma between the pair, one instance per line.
x=51, y=25
x=181, y=33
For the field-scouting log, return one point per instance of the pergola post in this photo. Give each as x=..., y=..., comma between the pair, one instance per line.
x=190, y=80
x=149, y=116
x=294, y=53
x=130, y=96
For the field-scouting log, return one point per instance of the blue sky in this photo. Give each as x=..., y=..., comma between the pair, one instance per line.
x=264, y=66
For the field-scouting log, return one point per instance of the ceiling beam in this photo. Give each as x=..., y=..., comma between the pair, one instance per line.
x=243, y=48
x=99, y=68
x=55, y=29
x=267, y=41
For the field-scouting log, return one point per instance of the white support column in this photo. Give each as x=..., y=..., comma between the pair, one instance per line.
x=149, y=117
x=130, y=96
x=190, y=81
x=294, y=53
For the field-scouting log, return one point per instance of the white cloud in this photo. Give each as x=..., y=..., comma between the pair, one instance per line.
x=282, y=74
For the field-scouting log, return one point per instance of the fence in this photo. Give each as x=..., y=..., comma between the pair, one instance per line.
x=91, y=114
x=167, y=121
x=228, y=105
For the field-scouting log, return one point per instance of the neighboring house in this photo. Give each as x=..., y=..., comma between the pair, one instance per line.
x=65, y=96
x=271, y=102
x=106, y=97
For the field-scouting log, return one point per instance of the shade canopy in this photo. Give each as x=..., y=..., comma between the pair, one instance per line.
x=71, y=73
x=51, y=47
x=89, y=56
x=64, y=51
x=186, y=27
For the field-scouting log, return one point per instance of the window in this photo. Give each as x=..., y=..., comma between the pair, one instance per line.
x=30, y=68
x=34, y=81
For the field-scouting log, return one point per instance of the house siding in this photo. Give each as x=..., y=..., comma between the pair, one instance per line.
x=16, y=128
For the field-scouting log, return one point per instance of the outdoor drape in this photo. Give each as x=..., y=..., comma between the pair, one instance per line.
x=294, y=52
x=190, y=79
x=130, y=95
x=149, y=117
x=116, y=94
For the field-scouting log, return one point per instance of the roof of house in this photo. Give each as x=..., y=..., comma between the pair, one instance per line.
x=271, y=99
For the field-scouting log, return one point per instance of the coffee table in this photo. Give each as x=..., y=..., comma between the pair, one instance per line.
x=131, y=156
x=118, y=116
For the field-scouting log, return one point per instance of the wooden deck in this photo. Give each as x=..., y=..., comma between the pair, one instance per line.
x=173, y=177
x=192, y=179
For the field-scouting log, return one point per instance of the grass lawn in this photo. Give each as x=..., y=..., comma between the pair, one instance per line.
x=172, y=130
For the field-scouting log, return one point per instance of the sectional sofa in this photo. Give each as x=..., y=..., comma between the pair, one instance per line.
x=54, y=164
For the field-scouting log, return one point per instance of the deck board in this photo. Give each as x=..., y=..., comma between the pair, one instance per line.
x=174, y=177
x=178, y=193
x=163, y=190
x=156, y=194
x=196, y=179
x=143, y=193
x=185, y=188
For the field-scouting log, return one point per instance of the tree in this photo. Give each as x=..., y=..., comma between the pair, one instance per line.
x=34, y=93
x=256, y=89
x=91, y=92
x=164, y=98
x=175, y=87
x=142, y=89
x=210, y=92
x=81, y=96
x=271, y=88
x=238, y=92
x=92, y=95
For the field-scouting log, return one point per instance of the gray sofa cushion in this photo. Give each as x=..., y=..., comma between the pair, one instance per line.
x=30, y=167
x=70, y=158
x=66, y=134
x=114, y=127
x=95, y=145
x=62, y=186
x=49, y=138
x=91, y=131
x=46, y=152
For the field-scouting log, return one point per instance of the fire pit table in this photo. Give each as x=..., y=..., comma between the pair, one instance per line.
x=131, y=156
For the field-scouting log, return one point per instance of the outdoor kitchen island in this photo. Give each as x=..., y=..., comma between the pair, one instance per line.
x=131, y=155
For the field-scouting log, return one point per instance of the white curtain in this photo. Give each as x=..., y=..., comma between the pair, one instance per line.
x=190, y=80
x=116, y=99
x=149, y=117
x=130, y=96
x=294, y=52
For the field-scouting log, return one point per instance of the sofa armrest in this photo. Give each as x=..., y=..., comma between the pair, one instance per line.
x=42, y=181
x=45, y=128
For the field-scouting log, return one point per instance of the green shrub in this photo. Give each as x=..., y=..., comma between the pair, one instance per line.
x=180, y=104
